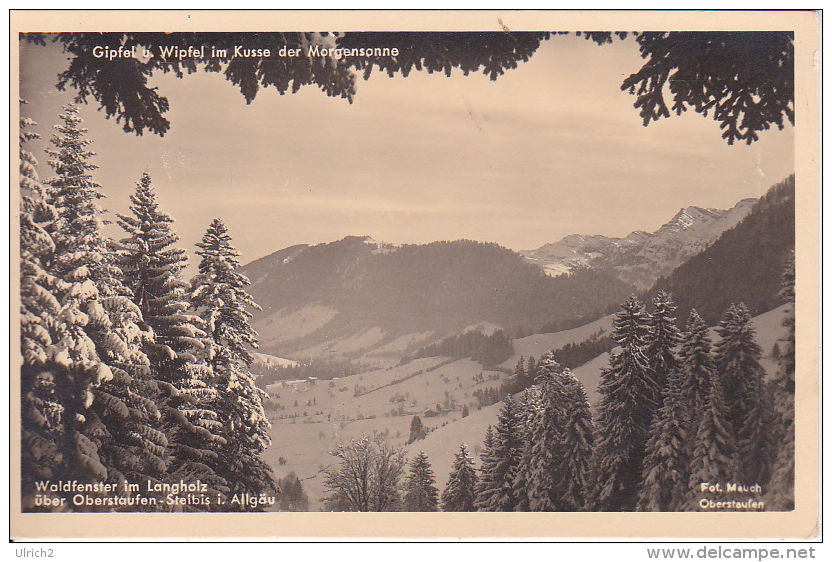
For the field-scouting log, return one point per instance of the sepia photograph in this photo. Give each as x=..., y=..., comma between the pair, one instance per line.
x=272, y=268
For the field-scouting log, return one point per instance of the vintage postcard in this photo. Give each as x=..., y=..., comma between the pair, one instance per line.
x=414, y=275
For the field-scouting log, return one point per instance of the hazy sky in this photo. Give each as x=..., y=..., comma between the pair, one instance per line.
x=549, y=149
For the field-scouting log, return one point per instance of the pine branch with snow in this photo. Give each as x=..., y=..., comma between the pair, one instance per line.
x=41, y=408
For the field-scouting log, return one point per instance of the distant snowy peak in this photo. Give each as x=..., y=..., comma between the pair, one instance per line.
x=641, y=257
x=686, y=218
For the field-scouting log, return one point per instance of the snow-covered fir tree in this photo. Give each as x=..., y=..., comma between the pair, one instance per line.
x=715, y=450
x=577, y=439
x=757, y=441
x=218, y=295
x=111, y=422
x=625, y=413
x=40, y=329
x=665, y=477
x=696, y=367
x=152, y=266
x=662, y=338
x=421, y=493
x=750, y=411
x=460, y=492
x=487, y=487
x=507, y=453
x=780, y=494
x=544, y=454
x=557, y=459
x=530, y=404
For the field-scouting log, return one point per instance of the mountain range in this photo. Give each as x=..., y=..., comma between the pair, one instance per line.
x=640, y=258
x=349, y=300
x=359, y=300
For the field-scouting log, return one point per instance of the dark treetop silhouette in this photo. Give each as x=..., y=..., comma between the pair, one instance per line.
x=744, y=80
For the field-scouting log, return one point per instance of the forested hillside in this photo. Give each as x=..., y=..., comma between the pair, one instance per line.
x=744, y=265
x=443, y=287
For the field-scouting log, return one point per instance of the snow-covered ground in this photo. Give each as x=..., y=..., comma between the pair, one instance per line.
x=380, y=401
x=273, y=361
x=537, y=345
x=283, y=325
x=386, y=400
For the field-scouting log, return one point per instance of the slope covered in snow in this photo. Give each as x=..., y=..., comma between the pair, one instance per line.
x=310, y=417
x=538, y=344
x=272, y=361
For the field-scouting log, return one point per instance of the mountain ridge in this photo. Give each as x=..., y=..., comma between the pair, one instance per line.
x=348, y=298
x=640, y=258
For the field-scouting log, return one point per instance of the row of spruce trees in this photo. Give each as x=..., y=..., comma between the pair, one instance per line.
x=130, y=372
x=675, y=411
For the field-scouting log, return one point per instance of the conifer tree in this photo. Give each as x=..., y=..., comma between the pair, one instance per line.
x=625, y=413
x=520, y=368
x=696, y=366
x=544, y=454
x=577, y=440
x=508, y=450
x=557, y=459
x=530, y=404
x=737, y=364
x=662, y=338
x=152, y=267
x=786, y=374
x=488, y=487
x=757, y=438
x=421, y=493
x=715, y=449
x=781, y=488
x=460, y=492
x=40, y=329
x=665, y=477
x=110, y=421
x=219, y=297
x=531, y=370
